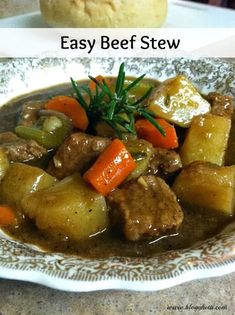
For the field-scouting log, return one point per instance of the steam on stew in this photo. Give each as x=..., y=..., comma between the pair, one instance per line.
x=117, y=166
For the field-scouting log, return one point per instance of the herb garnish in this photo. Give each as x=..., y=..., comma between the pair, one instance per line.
x=115, y=108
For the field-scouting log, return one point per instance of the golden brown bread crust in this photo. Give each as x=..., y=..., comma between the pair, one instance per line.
x=104, y=13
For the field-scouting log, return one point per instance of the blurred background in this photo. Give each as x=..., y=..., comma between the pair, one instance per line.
x=222, y=3
x=16, y=7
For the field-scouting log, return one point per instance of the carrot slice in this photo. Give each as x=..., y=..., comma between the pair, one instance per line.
x=70, y=107
x=147, y=131
x=111, y=168
x=100, y=79
x=7, y=216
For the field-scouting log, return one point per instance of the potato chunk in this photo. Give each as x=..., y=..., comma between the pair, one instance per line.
x=206, y=140
x=207, y=185
x=21, y=179
x=4, y=163
x=178, y=101
x=68, y=209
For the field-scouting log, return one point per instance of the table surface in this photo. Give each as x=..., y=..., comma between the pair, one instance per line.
x=19, y=298
x=180, y=14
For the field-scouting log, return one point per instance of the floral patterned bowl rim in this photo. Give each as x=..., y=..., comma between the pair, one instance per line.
x=212, y=257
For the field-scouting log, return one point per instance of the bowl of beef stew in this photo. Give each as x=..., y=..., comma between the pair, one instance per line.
x=110, y=178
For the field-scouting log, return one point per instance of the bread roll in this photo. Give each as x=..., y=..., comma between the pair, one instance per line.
x=104, y=13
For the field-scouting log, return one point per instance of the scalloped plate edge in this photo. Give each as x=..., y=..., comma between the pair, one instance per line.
x=115, y=284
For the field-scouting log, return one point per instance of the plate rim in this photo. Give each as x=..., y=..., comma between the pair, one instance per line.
x=67, y=285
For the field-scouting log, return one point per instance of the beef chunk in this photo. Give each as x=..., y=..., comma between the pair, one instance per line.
x=29, y=113
x=20, y=150
x=145, y=208
x=77, y=153
x=221, y=104
x=164, y=162
x=7, y=137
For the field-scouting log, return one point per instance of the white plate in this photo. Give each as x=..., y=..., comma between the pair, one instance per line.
x=183, y=14
x=213, y=257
